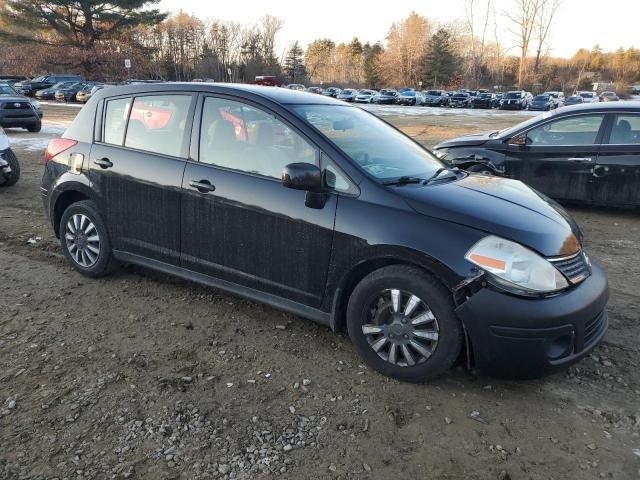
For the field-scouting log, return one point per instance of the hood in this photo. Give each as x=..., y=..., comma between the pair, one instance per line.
x=472, y=140
x=10, y=99
x=503, y=207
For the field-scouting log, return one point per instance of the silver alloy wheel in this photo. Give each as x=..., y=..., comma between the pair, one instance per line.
x=401, y=328
x=82, y=240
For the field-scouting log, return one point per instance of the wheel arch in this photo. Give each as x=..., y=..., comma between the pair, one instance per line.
x=62, y=201
x=350, y=280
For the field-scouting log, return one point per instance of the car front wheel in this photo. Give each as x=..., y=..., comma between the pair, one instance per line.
x=401, y=319
x=35, y=127
x=14, y=165
x=85, y=240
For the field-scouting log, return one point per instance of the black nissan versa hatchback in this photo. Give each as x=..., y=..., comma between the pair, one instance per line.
x=322, y=209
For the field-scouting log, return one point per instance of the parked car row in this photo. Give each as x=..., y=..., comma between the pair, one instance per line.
x=62, y=87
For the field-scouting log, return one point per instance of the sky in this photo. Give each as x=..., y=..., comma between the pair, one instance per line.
x=579, y=23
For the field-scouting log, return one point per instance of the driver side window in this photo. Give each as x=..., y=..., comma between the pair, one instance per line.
x=577, y=130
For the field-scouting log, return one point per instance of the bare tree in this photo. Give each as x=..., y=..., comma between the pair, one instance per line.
x=543, y=23
x=523, y=16
x=477, y=43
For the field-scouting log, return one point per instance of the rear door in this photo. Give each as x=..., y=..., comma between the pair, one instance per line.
x=616, y=176
x=559, y=156
x=137, y=167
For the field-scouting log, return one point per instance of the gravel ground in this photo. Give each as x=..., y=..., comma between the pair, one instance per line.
x=140, y=375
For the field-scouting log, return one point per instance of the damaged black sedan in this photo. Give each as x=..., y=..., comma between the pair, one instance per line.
x=587, y=153
x=321, y=209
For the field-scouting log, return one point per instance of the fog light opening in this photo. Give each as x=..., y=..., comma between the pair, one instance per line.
x=560, y=346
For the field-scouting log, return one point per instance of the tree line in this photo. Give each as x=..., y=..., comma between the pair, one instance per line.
x=94, y=37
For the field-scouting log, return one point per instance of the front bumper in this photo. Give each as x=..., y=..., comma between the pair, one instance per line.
x=529, y=337
x=19, y=119
x=511, y=106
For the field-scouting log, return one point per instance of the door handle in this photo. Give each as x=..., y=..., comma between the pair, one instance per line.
x=203, y=186
x=581, y=159
x=103, y=162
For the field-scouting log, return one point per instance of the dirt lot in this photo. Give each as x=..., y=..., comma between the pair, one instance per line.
x=140, y=375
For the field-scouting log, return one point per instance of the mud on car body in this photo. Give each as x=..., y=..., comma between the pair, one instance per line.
x=322, y=209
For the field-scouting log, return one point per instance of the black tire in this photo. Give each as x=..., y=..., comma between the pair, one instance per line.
x=14, y=164
x=35, y=127
x=104, y=263
x=481, y=169
x=437, y=299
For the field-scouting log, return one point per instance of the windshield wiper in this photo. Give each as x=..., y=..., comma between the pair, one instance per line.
x=436, y=175
x=404, y=180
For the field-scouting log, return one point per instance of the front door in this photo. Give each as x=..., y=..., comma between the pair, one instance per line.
x=137, y=168
x=239, y=223
x=559, y=156
x=616, y=176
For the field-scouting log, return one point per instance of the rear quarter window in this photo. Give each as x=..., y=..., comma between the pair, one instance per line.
x=115, y=120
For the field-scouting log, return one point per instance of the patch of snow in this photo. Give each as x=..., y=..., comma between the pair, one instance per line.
x=397, y=110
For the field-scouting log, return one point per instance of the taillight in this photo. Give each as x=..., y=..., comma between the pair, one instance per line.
x=57, y=146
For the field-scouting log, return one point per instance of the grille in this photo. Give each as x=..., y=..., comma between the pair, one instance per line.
x=592, y=329
x=16, y=106
x=575, y=268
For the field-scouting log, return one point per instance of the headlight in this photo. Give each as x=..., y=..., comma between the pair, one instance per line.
x=516, y=266
x=35, y=104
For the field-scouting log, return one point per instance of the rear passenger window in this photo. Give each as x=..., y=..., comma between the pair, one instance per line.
x=625, y=130
x=157, y=124
x=241, y=137
x=115, y=120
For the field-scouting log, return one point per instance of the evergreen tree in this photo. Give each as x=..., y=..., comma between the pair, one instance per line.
x=440, y=61
x=77, y=24
x=294, y=69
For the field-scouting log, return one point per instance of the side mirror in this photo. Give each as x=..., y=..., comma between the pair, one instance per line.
x=519, y=140
x=302, y=176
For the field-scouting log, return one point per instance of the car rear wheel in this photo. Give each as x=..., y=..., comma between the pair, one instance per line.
x=85, y=240
x=35, y=127
x=402, y=322
x=14, y=176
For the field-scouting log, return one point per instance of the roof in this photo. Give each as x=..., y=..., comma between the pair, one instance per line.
x=623, y=106
x=276, y=94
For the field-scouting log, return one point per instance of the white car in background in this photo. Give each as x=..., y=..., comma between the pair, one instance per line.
x=589, y=97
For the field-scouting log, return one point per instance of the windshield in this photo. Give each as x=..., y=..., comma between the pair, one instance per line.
x=586, y=95
x=484, y=95
x=541, y=98
x=434, y=93
x=513, y=95
x=7, y=90
x=347, y=91
x=409, y=93
x=379, y=149
x=39, y=79
x=460, y=95
x=574, y=99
